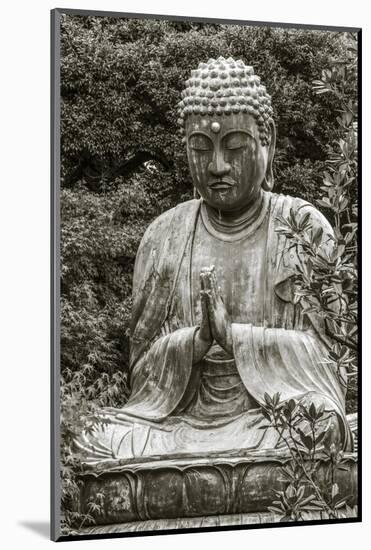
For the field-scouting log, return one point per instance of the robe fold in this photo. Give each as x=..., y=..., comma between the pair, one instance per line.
x=177, y=406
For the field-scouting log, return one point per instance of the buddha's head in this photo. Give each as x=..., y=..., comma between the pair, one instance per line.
x=226, y=116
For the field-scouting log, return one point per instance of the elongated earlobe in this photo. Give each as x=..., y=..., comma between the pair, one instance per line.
x=268, y=181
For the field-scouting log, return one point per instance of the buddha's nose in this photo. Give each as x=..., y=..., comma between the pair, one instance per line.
x=218, y=166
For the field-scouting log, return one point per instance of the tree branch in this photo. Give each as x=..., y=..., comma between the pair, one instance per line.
x=94, y=170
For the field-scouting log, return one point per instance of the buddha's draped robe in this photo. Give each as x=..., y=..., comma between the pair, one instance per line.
x=177, y=407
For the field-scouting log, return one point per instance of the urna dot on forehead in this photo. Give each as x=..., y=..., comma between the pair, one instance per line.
x=215, y=127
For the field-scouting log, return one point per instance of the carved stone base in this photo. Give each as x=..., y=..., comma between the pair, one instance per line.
x=191, y=487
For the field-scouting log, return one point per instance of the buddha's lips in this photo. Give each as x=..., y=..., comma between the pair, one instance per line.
x=221, y=184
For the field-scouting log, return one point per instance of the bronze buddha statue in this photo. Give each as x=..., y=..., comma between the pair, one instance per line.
x=215, y=323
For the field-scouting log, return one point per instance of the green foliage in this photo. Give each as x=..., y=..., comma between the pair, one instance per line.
x=308, y=173
x=327, y=277
x=122, y=78
x=75, y=415
x=328, y=287
x=100, y=234
x=307, y=489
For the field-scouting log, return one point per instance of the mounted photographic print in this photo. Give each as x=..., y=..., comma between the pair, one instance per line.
x=205, y=270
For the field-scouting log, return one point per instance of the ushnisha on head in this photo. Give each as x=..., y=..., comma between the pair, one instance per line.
x=224, y=86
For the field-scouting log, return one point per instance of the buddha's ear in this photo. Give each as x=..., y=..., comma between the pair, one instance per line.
x=268, y=181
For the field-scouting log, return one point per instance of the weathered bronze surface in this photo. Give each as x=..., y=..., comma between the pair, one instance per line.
x=215, y=326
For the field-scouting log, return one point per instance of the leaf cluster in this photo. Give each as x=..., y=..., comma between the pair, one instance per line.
x=327, y=272
x=309, y=476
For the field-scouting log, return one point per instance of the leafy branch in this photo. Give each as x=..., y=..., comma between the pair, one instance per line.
x=303, y=429
x=326, y=274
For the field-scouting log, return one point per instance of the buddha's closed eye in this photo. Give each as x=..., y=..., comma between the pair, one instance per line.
x=237, y=140
x=199, y=142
